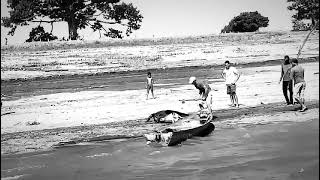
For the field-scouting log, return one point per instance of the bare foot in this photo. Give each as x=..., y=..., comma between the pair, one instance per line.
x=303, y=109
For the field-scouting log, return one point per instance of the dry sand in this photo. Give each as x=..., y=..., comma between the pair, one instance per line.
x=207, y=50
x=258, y=85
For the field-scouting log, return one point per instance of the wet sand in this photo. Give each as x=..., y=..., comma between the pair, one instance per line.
x=285, y=150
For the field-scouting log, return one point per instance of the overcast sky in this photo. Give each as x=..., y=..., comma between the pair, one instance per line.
x=168, y=18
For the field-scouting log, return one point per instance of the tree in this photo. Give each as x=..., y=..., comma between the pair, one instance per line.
x=38, y=34
x=77, y=13
x=305, y=9
x=246, y=22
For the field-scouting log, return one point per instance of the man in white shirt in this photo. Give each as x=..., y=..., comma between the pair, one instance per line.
x=231, y=76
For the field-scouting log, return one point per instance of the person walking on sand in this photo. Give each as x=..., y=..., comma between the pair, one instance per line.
x=297, y=75
x=231, y=76
x=149, y=86
x=286, y=81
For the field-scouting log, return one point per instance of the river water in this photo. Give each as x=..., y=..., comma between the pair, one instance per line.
x=271, y=151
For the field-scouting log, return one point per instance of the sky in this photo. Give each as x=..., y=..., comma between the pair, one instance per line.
x=175, y=18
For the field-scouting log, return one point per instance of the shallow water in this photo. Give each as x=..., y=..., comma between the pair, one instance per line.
x=271, y=151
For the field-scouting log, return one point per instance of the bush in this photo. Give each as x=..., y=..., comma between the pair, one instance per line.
x=246, y=22
x=38, y=34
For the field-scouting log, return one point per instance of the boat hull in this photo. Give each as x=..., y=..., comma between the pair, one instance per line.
x=172, y=137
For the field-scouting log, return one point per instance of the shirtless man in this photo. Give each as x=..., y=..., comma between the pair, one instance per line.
x=204, y=92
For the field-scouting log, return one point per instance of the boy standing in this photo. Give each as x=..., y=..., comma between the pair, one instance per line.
x=149, y=85
x=231, y=76
x=297, y=75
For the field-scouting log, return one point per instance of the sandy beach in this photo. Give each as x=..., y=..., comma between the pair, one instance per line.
x=258, y=85
x=85, y=110
x=51, y=95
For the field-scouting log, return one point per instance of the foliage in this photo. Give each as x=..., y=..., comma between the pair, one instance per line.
x=305, y=9
x=38, y=34
x=77, y=13
x=246, y=22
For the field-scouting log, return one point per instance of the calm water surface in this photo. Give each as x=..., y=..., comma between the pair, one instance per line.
x=272, y=151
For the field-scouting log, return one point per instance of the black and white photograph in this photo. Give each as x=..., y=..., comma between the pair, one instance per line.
x=159, y=89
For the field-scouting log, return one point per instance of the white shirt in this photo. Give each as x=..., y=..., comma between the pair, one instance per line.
x=149, y=80
x=231, y=75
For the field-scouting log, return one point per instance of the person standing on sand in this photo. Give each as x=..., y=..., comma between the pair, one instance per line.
x=231, y=76
x=286, y=81
x=297, y=75
x=149, y=86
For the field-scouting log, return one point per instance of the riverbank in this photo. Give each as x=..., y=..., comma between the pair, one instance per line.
x=257, y=85
x=85, y=114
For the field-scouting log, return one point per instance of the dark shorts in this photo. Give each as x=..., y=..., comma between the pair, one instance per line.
x=149, y=87
x=231, y=88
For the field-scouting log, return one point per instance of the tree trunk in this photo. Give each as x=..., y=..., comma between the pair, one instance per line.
x=313, y=22
x=73, y=35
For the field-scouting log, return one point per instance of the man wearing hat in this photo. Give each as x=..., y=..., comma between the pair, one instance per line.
x=205, y=95
x=202, y=86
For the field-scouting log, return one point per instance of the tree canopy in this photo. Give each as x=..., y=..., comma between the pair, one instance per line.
x=246, y=22
x=79, y=14
x=305, y=9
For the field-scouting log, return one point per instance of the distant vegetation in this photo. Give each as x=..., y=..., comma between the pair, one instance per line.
x=246, y=22
x=38, y=34
x=221, y=39
x=304, y=10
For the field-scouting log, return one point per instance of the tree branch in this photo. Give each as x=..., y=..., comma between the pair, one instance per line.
x=99, y=29
x=44, y=21
x=111, y=22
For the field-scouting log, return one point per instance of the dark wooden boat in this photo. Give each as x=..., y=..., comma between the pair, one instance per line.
x=175, y=135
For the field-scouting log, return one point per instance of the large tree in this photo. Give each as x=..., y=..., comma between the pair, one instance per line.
x=305, y=9
x=246, y=22
x=77, y=13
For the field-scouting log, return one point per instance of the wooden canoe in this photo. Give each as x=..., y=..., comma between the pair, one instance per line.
x=175, y=135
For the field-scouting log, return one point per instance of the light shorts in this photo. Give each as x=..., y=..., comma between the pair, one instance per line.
x=299, y=89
